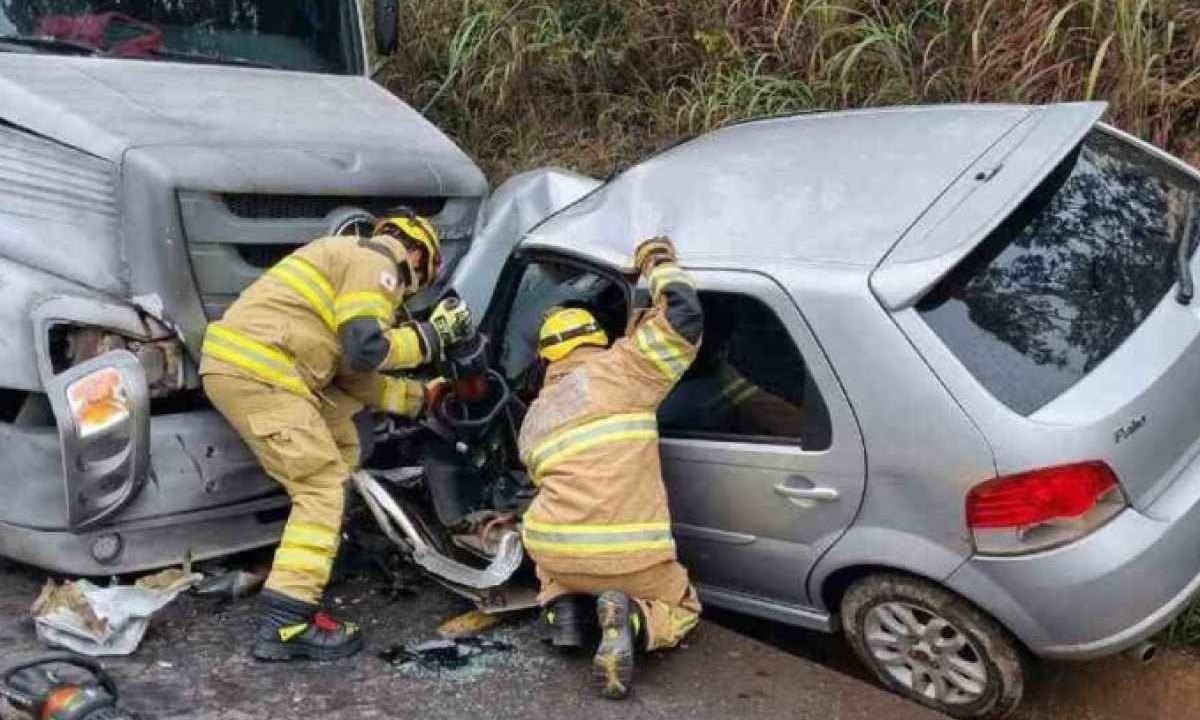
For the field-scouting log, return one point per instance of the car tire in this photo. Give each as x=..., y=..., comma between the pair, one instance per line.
x=933, y=647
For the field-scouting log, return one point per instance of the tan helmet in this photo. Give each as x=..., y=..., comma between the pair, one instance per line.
x=410, y=226
x=566, y=329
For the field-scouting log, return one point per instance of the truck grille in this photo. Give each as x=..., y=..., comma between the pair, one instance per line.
x=283, y=207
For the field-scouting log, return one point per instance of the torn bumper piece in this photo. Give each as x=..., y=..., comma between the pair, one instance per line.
x=458, y=576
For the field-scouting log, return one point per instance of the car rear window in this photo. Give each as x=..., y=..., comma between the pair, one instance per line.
x=1069, y=275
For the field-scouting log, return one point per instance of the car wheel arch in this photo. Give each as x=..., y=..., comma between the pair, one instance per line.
x=839, y=582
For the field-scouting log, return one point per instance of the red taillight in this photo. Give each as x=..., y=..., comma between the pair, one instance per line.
x=1039, y=496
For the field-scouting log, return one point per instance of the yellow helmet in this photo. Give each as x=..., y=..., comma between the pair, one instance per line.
x=565, y=329
x=420, y=231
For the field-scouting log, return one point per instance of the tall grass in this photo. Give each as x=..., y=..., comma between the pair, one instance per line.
x=594, y=84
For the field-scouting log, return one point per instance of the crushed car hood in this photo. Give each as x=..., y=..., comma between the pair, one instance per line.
x=105, y=107
x=831, y=188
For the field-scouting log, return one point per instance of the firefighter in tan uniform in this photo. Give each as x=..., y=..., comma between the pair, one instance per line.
x=600, y=523
x=299, y=353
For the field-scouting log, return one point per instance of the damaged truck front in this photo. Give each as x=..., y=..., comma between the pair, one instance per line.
x=142, y=187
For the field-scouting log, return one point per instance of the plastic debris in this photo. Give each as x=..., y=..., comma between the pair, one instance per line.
x=96, y=621
x=232, y=584
x=467, y=624
x=444, y=654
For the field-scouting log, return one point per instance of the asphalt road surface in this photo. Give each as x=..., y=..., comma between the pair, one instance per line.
x=194, y=664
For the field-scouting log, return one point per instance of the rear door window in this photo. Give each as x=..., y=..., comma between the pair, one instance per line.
x=1069, y=275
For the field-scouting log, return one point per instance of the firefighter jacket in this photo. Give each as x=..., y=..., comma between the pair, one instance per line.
x=590, y=442
x=325, y=315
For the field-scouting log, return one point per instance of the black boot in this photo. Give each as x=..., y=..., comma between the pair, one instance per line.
x=620, y=625
x=570, y=620
x=292, y=629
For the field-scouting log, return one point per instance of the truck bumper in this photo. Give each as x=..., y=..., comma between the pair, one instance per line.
x=204, y=495
x=1104, y=593
x=128, y=547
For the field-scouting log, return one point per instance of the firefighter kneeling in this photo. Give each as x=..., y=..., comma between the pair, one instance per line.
x=600, y=523
x=293, y=360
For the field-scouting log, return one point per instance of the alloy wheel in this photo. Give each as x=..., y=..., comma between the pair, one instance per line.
x=925, y=652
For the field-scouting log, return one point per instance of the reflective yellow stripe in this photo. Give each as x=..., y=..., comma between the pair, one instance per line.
x=286, y=634
x=566, y=443
x=306, y=280
x=299, y=559
x=401, y=397
x=665, y=275
x=589, y=529
x=683, y=621
x=314, y=537
x=364, y=305
x=596, y=543
x=738, y=391
x=262, y=361
x=665, y=353
x=595, y=539
x=404, y=349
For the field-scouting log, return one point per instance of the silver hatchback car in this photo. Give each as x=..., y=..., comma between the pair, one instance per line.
x=946, y=402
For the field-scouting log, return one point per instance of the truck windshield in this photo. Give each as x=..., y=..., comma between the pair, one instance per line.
x=307, y=35
x=1069, y=276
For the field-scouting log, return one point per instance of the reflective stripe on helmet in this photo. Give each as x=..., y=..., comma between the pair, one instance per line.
x=598, y=538
x=565, y=329
x=422, y=232
x=262, y=361
x=563, y=444
x=301, y=276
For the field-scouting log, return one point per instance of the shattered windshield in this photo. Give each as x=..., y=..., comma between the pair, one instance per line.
x=308, y=35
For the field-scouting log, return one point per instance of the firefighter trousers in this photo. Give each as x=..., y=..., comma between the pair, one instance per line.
x=310, y=448
x=663, y=592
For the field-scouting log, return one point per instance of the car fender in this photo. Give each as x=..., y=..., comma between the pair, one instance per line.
x=883, y=548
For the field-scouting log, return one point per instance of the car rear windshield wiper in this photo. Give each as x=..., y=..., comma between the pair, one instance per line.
x=42, y=42
x=1183, y=256
x=185, y=56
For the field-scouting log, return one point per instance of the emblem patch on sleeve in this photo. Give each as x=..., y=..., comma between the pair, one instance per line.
x=388, y=281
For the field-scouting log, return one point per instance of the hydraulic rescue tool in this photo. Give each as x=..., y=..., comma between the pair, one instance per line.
x=476, y=396
x=36, y=689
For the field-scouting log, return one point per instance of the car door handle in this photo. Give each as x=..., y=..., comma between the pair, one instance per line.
x=817, y=494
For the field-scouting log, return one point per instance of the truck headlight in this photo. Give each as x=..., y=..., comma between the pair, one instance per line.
x=102, y=408
x=98, y=402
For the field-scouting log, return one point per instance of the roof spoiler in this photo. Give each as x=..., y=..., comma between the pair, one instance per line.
x=979, y=200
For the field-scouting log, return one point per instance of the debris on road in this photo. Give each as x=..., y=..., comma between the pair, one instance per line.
x=96, y=621
x=231, y=584
x=444, y=654
x=467, y=624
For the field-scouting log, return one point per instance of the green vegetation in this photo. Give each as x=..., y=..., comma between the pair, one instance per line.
x=596, y=84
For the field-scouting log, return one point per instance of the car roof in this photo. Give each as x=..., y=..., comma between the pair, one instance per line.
x=837, y=188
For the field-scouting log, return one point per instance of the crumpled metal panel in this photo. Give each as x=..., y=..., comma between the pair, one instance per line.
x=23, y=287
x=518, y=205
x=58, y=209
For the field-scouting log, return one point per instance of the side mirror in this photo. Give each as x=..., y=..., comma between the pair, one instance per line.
x=387, y=26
